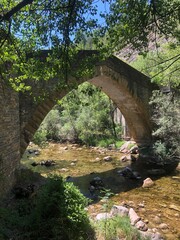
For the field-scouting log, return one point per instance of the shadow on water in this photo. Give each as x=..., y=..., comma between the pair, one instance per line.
x=162, y=198
x=116, y=176
x=116, y=181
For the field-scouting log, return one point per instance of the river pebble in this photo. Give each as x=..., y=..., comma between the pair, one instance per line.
x=147, y=183
x=157, y=220
x=119, y=210
x=107, y=159
x=163, y=226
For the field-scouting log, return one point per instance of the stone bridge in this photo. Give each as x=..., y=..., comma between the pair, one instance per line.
x=21, y=116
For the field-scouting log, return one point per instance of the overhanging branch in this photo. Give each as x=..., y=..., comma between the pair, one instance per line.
x=17, y=8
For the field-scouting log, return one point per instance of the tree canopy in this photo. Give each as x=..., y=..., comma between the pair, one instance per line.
x=137, y=22
x=163, y=67
x=33, y=25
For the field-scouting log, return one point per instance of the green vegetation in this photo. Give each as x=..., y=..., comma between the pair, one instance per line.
x=116, y=228
x=85, y=115
x=64, y=27
x=163, y=68
x=134, y=23
x=26, y=27
x=161, y=65
x=166, y=117
x=56, y=212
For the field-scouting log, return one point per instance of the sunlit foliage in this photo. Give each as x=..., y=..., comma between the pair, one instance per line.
x=64, y=26
x=162, y=66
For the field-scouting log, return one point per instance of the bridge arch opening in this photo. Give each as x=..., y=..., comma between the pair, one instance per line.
x=84, y=111
x=129, y=89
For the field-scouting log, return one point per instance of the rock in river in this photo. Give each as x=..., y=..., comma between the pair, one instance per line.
x=147, y=183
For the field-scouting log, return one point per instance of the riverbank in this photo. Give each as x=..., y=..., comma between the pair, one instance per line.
x=157, y=205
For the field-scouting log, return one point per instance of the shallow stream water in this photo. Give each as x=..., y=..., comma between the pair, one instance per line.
x=156, y=205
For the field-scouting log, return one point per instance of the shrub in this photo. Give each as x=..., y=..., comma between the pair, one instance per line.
x=40, y=136
x=84, y=115
x=119, y=143
x=57, y=212
x=166, y=118
x=106, y=142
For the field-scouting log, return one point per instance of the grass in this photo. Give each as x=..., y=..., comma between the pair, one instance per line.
x=107, y=142
x=116, y=228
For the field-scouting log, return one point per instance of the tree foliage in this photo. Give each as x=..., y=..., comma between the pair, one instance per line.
x=139, y=22
x=161, y=66
x=166, y=117
x=30, y=25
x=83, y=115
x=37, y=25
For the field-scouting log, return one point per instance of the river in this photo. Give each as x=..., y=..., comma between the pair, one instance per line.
x=79, y=164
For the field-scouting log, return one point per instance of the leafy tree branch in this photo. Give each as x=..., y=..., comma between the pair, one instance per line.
x=17, y=8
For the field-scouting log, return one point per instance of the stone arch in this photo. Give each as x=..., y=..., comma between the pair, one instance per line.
x=129, y=89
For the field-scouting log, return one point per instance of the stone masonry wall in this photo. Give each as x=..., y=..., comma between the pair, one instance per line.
x=9, y=137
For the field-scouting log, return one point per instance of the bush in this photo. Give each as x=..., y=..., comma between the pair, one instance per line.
x=84, y=115
x=119, y=143
x=40, y=137
x=166, y=118
x=57, y=212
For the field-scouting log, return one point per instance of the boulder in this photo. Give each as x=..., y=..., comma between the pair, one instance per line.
x=72, y=164
x=127, y=172
x=140, y=225
x=125, y=147
x=103, y=216
x=97, y=183
x=150, y=235
x=125, y=158
x=30, y=151
x=134, y=218
x=174, y=207
x=36, y=152
x=141, y=205
x=34, y=164
x=147, y=183
x=119, y=210
x=134, y=150
x=47, y=163
x=64, y=169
